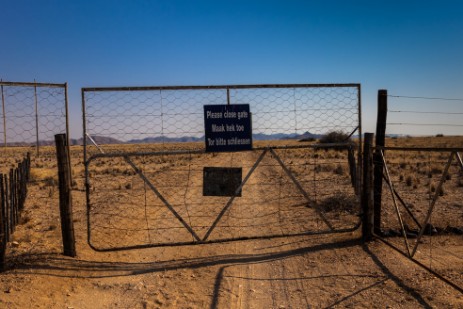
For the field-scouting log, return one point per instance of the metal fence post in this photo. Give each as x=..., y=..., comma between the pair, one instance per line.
x=65, y=197
x=367, y=223
x=379, y=166
x=36, y=118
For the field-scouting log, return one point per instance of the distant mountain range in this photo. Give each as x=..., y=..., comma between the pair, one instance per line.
x=185, y=139
x=104, y=140
x=279, y=136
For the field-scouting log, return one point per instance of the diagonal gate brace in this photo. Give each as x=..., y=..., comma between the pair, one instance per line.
x=459, y=160
x=433, y=202
x=399, y=216
x=232, y=198
x=159, y=195
x=404, y=204
x=301, y=189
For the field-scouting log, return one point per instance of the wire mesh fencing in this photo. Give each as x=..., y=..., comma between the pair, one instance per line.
x=175, y=114
x=146, y=162
x=157, y=199
x=30, y=115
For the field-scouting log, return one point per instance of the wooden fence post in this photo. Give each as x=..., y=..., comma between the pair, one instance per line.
x=7, y=207
x=379, y=166
x=353, y=169
x=367, y=222
x=3, y=225
x=12, y=202
x=65, y=197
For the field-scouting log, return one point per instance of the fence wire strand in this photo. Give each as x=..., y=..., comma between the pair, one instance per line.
x=418, y=115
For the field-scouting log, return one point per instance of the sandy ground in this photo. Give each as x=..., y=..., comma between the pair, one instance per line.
x=312, y=271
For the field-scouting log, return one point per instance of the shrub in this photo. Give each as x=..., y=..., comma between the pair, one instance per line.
x=308, y=139
x=339, y=202
x=323, y=168
x=50, y=181
x=436, y=170
x=409, y=181
x=335, y=137
x=441, y=191
x=339, y=170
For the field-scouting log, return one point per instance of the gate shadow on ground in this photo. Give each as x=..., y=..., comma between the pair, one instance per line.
x=388, y=275
x=60, y=266
x=411, y=291
x=220, y=277
x=56, y=265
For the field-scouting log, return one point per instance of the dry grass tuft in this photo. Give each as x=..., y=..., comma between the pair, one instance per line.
x=340, y=202
x=44, y=175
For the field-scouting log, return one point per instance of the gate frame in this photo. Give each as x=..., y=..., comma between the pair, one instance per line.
x=87, y=160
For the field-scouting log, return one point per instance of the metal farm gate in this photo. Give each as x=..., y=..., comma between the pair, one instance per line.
x=151, y=182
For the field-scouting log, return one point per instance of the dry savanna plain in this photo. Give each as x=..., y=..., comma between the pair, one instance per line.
x=151, y=238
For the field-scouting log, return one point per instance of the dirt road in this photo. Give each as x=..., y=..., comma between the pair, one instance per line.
x=312, y=271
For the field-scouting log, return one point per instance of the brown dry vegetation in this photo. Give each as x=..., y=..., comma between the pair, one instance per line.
x=319, y=271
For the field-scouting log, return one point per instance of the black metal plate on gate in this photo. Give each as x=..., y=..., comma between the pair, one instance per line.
x=222, y=181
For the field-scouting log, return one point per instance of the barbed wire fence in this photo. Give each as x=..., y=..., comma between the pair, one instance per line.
x=145, y=159
x=420, y=172
x=31, y=114
x=425, y=116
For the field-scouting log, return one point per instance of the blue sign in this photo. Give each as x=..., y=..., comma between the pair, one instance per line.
x=227, y=127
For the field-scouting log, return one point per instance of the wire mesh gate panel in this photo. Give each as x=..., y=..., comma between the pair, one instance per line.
x=144, y=157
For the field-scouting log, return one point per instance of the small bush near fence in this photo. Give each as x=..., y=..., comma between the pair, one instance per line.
x=335, y=137
x=13, y=189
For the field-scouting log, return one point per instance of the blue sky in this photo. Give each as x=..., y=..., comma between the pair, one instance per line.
x=408, y=47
